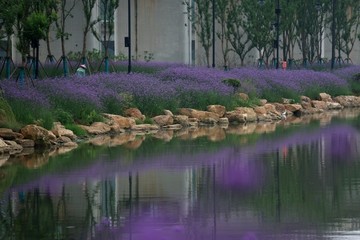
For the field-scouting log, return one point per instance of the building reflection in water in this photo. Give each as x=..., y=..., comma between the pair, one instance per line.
x=238, y=194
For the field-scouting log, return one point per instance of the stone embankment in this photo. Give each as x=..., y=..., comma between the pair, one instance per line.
x=60, y=139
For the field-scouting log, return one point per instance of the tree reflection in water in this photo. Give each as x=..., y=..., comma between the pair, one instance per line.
x=284, y=180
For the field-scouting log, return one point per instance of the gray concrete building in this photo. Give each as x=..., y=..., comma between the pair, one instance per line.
x=160, y=31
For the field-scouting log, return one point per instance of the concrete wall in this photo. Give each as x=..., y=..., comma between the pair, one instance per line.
x=158, y=26
x=161, y=28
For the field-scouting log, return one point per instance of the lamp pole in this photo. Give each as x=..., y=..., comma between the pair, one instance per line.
x=277, y=12
x=129, y=37
x=333, y=38
x=213, y=33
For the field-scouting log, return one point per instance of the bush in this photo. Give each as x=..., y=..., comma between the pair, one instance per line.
x=78, y=131
x=63, y=116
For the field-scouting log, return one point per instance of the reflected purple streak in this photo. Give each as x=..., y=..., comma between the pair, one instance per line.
x=238, y=165
x=240, y=174
x=157, y=228
x=164, y=225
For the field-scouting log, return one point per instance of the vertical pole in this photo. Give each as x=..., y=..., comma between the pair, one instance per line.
x=333, y=38
x=277, y=12
x=213, y=33
x=129, y=30
x=37, y=62
x=7, y=67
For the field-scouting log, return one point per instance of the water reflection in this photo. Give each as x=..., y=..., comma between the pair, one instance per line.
x=300, y=184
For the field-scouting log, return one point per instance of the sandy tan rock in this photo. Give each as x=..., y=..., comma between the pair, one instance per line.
x=325, y=97
x=217, y=109
x=134, y=113
x=168, y=112
x=202, y=116
x=40, y=135
x=348, y=101
x=163, y=120
x=9, y=134
x=319, y=104
x=243, y=96
x=181, y=119
x=117, y=122
x=59, y=130
x=97, y=128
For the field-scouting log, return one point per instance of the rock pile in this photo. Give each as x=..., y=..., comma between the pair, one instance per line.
x=33, y=136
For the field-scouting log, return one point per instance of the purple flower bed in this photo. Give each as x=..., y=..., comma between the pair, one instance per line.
x=172, y=83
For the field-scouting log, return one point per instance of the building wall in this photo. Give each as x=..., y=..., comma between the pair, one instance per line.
x=159, y=27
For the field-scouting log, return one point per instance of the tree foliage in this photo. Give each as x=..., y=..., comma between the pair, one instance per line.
x=200, y=14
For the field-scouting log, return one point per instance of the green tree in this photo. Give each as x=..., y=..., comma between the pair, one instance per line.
x=306, y=29
x=239, y=41
x=8, y=9
x=64, y=11
x=200, y=15
x=288, y=20
x=22, y=11
x=107, y=11
x=50, y=8
x=222, y=16
x=257, y=22
x=88, y=6
x=348, y=22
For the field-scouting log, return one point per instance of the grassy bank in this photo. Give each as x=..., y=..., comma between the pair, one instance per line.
x=162, y=86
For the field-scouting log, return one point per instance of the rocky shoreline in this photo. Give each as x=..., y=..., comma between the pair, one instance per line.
x=189, y=123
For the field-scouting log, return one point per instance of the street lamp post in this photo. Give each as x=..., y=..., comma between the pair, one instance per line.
x=213, y=33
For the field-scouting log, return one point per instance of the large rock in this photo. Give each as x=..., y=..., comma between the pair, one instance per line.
x=202, y=116
x=134, y=113
x=181, y=119
x=293, y=107
x=319, y=104
x=241, y=115
x=40, y=135
x=334, y=105
x=348, y=101
x=145, y=127
x=59, y=130
x=117, y=122
x=325, y=97
x=14, y=147
x=97, y=128
x=8, y=134
x=218, y=109
x=163, y=120
x=306, y=102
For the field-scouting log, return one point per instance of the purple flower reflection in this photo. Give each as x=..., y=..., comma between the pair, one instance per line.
x=157, y=228
x=240, y=174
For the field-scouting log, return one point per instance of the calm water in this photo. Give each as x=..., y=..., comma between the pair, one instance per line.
x=301, y=181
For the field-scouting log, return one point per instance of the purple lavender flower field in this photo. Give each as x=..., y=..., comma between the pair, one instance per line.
x=172, y=86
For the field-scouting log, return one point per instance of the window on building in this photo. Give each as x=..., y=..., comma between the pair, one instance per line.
x=111, y=48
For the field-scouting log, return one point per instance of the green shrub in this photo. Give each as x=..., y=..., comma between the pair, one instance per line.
x=78, y=131
x=63, y=116
x=6, y=114
x=276, y=94
x=88, y=117
x=27, y=113
x=234, y=83
x=112, y=105
x=355, y=84
x=148, y=121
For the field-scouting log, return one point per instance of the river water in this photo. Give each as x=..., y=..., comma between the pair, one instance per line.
x=287, y=181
